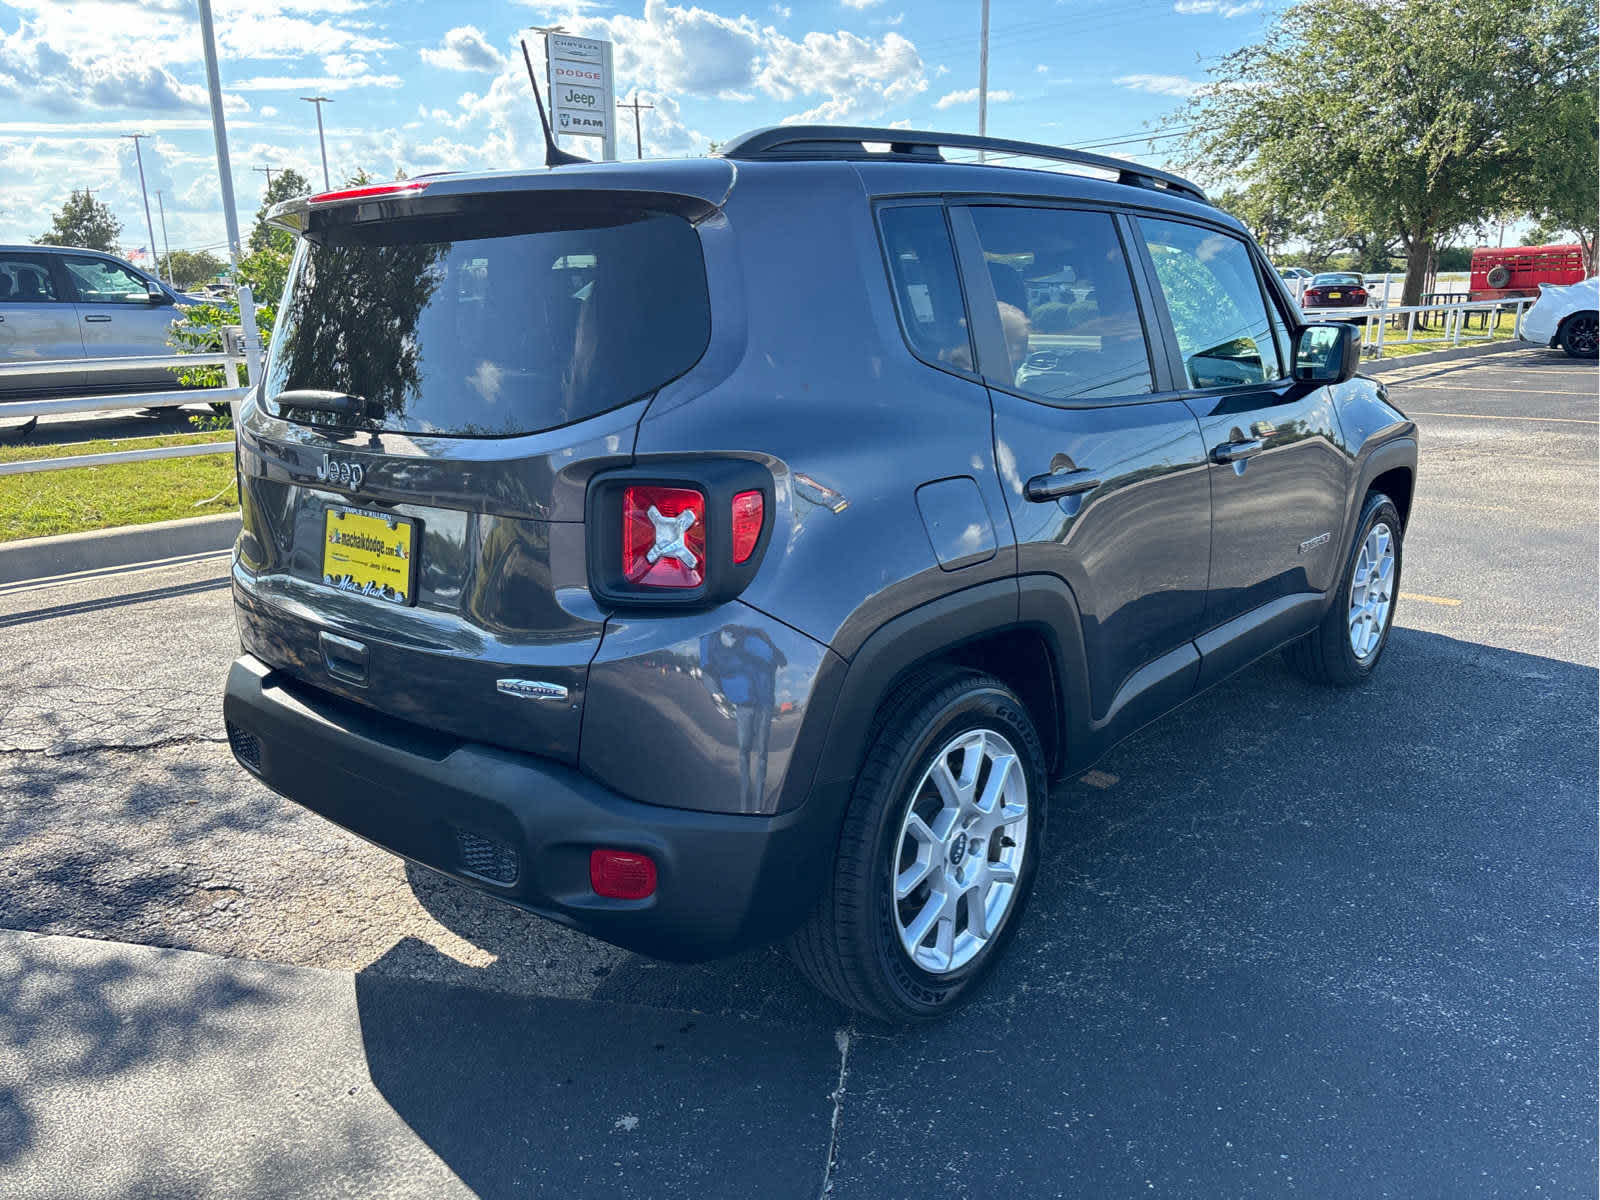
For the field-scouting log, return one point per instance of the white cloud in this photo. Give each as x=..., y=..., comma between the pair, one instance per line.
x=1223, y=8
x=970, y=96
x=860, y=4
x=34, y=71
x=1042, y=69
x=688, y=51
x=313, y=83
x=345, y=66
x=464, y=48
x=268, y=110
x=1162, y=85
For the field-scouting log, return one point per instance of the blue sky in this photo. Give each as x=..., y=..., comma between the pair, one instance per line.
x=427, y=86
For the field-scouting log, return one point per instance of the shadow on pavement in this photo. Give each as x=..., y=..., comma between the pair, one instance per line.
x=521, y=1095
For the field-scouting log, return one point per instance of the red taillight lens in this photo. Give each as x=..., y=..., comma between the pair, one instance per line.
x=664, y=536
x=748, y=511
x=621, y=874
x=376, y=189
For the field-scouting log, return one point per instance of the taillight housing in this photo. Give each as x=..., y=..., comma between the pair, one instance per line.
x=663, y=536
x=677, y=532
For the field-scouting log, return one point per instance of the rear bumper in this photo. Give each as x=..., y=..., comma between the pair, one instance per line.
x=521, y=827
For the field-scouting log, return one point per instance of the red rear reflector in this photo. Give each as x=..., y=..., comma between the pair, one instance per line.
x=377, y=189
x=663, y=536
x=621, y=874
x=748, y=510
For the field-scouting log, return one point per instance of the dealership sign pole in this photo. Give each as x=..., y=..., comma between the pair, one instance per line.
x=582, y=100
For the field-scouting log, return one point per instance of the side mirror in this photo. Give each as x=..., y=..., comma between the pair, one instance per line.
x=1327, y=353
x=155, y=293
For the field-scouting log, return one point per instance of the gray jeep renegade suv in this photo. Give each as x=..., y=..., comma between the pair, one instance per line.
x=712, y=552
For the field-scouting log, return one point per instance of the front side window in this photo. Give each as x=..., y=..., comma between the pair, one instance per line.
x=1215, y=300
x=25, y=281
x=927, y=289
x=101, y=281
x=1065, y=302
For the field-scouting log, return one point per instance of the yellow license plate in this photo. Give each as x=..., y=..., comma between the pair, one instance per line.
x=1335, y=295
x=370, y=554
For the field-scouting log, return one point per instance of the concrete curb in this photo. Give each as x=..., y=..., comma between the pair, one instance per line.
x=1450, y=355
x=97, y=549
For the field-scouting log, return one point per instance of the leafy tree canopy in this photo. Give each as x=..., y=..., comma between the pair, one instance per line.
x=83, y=221
x=286, y=185
x=189, y=268
x=1413, y=119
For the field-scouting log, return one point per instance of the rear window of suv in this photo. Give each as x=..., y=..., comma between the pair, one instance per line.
x=494, y=327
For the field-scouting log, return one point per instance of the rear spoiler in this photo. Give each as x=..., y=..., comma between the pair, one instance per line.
x=697, y=189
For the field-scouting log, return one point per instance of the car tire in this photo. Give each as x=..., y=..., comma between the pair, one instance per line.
x=856, y=946
x=1329, y=653
x=1580, y=335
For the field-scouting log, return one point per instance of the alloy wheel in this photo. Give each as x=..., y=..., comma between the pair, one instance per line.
x=960, y=851
x=1372, y=591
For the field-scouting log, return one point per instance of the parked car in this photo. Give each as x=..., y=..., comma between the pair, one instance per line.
x=1565, y=316
x=701, y=557
x=1507, y=272
x=1335, y=289
x=61, y=304
x=1292, y=273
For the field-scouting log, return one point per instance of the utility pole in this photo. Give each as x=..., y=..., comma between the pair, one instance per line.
x=145, y=196
x=638, y=137
x=322, y=141
x=267, y=171
x=983, y=76
x=162, y=209
x=230, y=214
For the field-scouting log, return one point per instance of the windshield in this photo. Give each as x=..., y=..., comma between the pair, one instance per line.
x=451, y=332
x=1335, y=280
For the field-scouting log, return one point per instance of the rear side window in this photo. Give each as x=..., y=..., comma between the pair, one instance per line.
x=1215, y=300
x=457, y=333
x=927, y=289
x=1066, y=305
x=25, y=281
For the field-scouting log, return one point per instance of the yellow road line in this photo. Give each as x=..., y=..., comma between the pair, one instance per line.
x=1444, y=600
x=1417, y=412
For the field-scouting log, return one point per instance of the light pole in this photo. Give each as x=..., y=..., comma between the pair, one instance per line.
x=322, y=142
x=638, y=137
x=145, y=196
x=267, y=171
x=167, y=245
x=983, y=76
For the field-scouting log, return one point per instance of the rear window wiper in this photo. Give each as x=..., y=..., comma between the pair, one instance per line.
x=340, y=404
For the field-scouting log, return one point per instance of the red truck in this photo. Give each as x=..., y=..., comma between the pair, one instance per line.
x=1499, y=272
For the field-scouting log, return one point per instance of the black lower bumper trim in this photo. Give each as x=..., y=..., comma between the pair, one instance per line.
x=725, y=882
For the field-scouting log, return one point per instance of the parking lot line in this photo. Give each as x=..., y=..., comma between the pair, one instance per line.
x=1449, y=387
x=1499, y=417
x=1444, y=600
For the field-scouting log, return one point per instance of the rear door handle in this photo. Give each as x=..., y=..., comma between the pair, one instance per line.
x=1060, y=483
x=1236, y=451
x=97, y=317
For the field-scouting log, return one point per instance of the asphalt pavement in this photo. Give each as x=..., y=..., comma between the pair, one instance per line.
x=1285, y=941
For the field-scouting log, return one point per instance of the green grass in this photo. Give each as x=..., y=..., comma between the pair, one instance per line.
x=1393, y=347
x=79, y=498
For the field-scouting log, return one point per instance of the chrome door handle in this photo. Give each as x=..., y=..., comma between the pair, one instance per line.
x=1060, y=483
x=97, y=317
x=1237, y=451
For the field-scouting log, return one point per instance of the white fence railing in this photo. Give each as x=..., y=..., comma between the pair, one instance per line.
x=240, y=349
x=1382, y=325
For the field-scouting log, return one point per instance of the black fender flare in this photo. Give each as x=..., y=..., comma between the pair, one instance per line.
x=1397, y=452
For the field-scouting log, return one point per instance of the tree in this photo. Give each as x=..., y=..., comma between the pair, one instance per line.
x=1558, y=188
x=186, y=268
x=83, y=221
x=1410, y=119
x=288, y=184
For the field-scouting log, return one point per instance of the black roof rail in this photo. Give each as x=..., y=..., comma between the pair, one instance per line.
x=795, y=143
